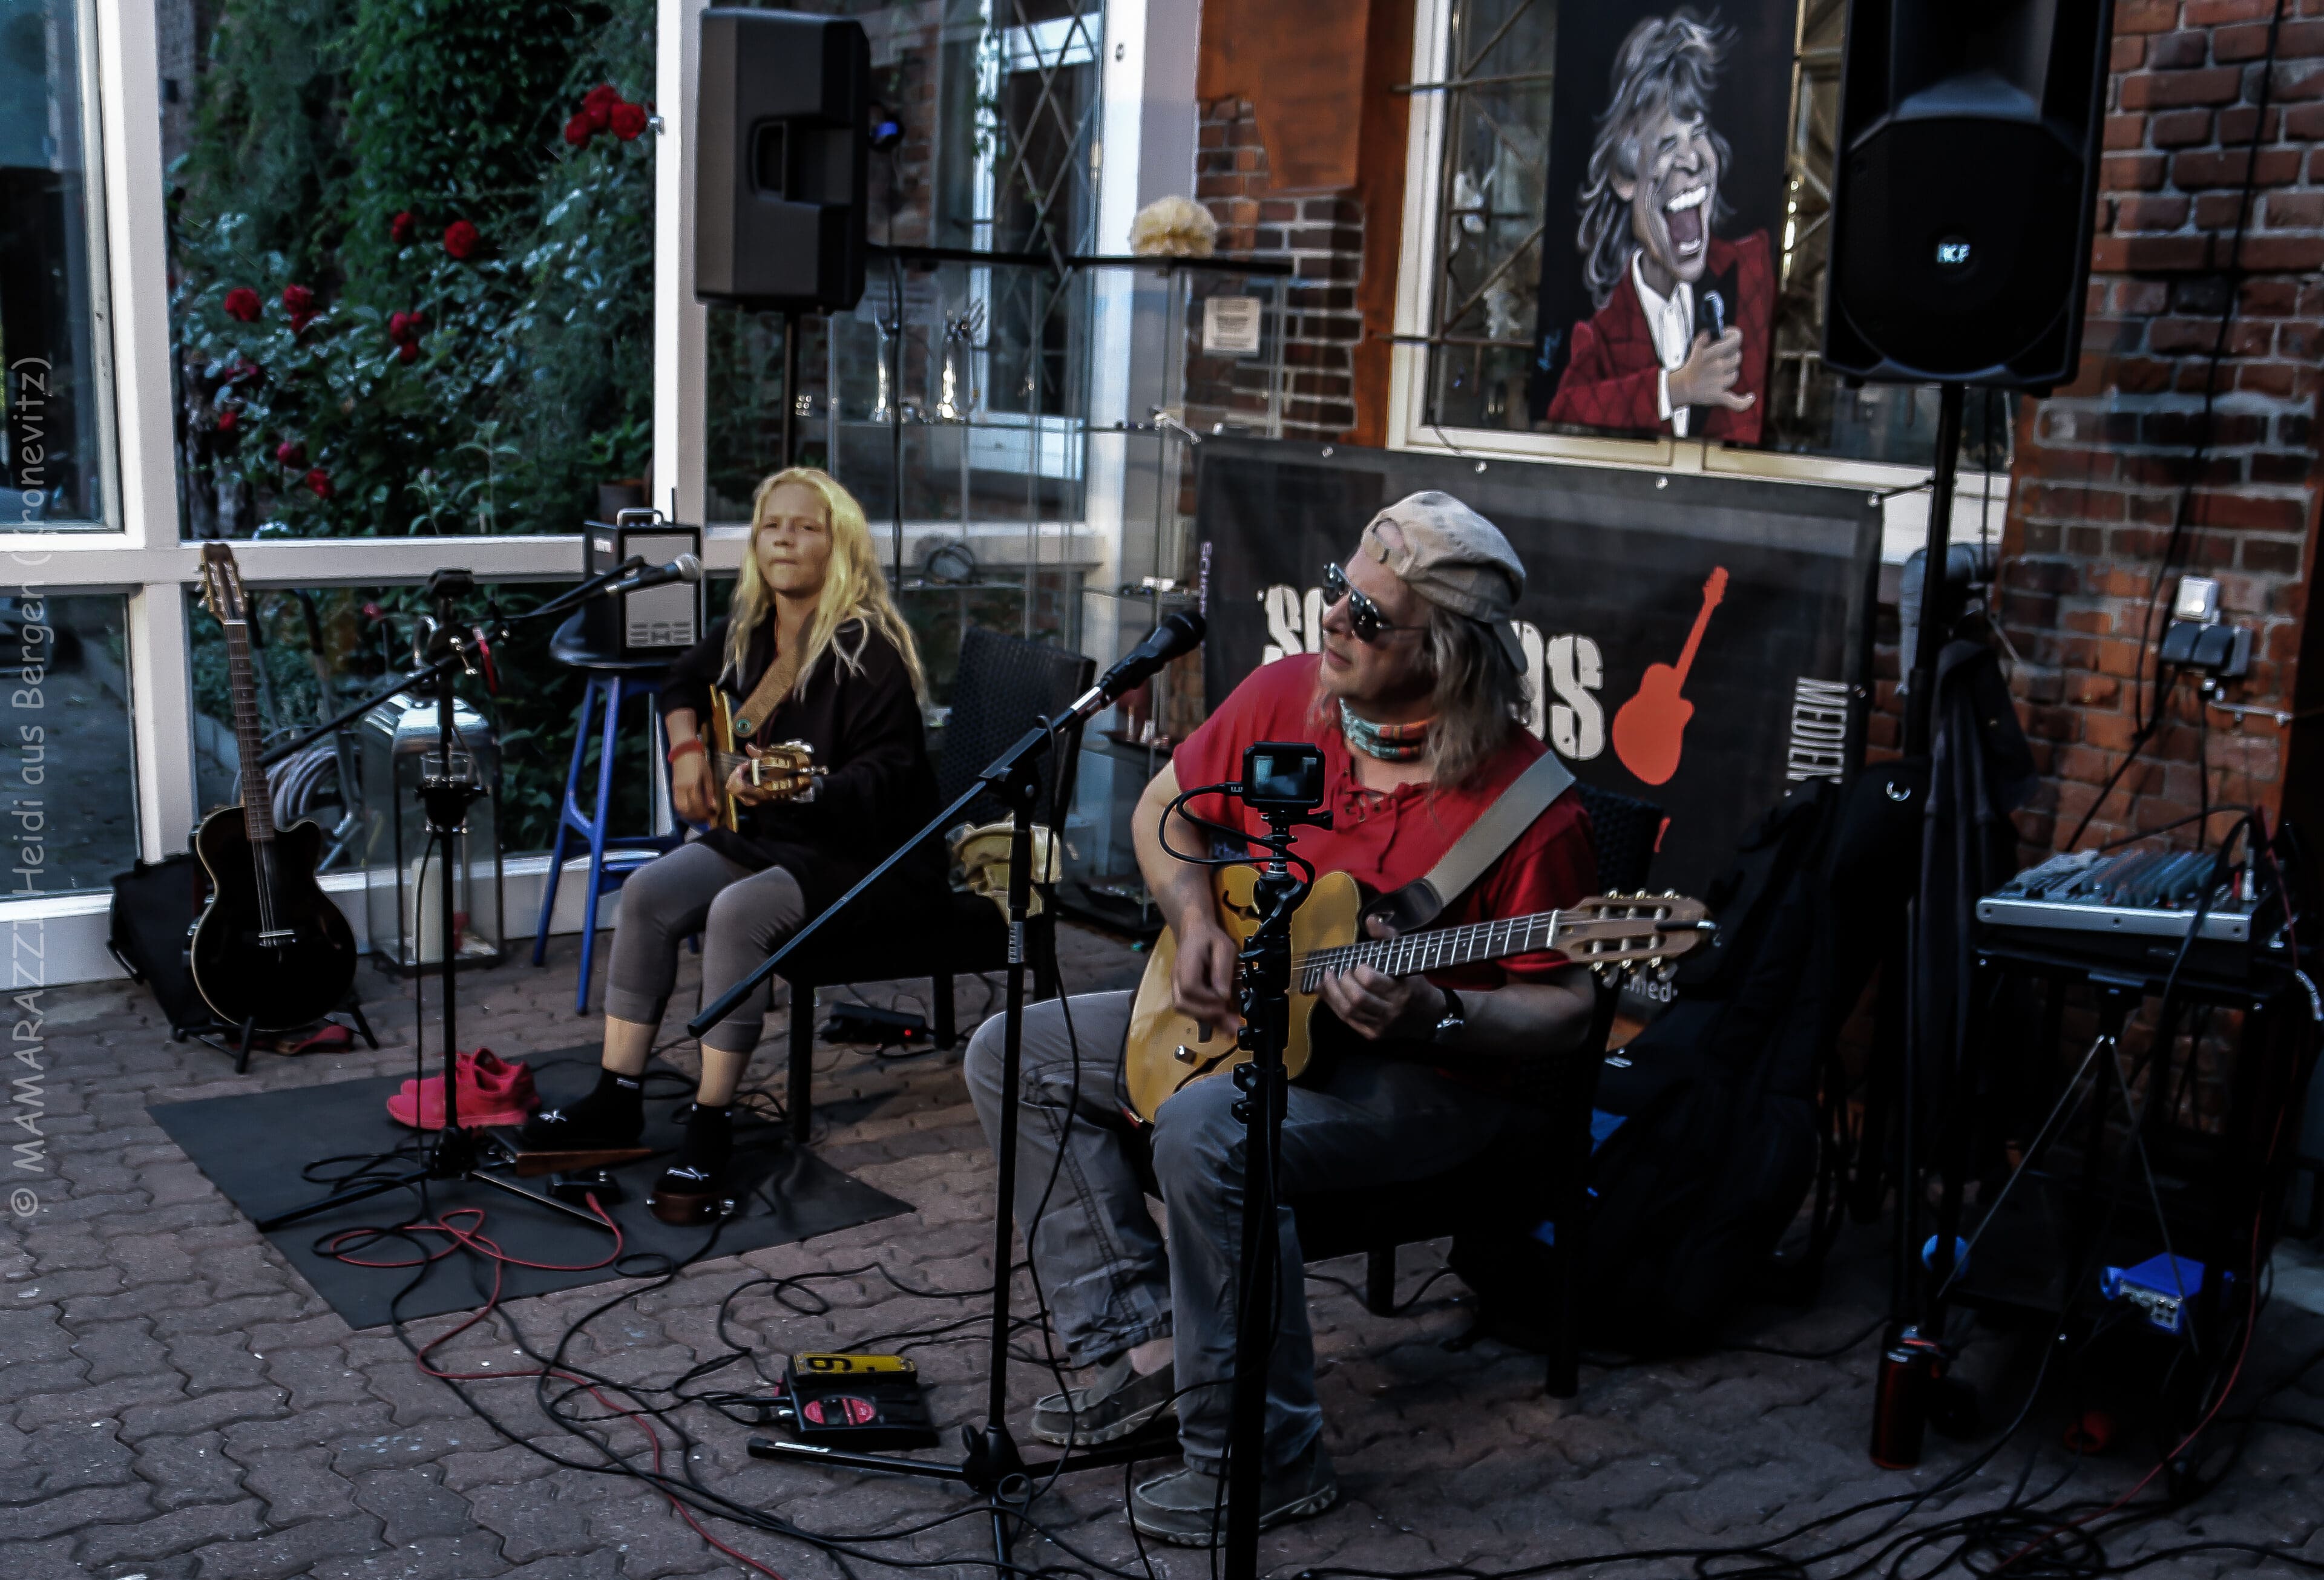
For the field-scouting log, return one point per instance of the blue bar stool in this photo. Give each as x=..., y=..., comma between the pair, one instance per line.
x=611, y=857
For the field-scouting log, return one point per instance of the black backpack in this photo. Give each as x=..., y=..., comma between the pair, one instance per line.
x=155, y=905
x=1708, y=1124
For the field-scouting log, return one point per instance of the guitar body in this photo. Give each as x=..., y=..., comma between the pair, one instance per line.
x=1650, y=729
x=1165, y=1052
x=1153, y=1072
x=280, y=986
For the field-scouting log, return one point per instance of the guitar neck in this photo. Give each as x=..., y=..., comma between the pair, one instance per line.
x=1436, y=951
x=257, y=804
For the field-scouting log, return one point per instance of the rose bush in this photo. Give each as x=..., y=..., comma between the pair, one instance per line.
x=433, y=394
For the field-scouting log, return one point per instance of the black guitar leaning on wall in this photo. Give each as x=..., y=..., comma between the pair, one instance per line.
x=272, y=951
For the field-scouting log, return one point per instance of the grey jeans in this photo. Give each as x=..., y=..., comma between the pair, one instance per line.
x=742, y=917
x=1370, y=1121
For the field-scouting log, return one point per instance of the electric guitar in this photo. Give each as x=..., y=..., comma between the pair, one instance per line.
x=1169, y=1050
x=271, y=950
x=787, y=767
x=1651, y=727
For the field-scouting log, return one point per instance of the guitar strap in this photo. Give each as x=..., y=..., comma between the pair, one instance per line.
x=1497, y=828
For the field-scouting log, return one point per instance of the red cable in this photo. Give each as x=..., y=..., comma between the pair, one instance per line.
x=472, y=1238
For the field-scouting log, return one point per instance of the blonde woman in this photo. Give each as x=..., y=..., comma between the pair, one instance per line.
x=812, y=648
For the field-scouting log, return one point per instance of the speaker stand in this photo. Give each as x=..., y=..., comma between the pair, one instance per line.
x=1934, y=617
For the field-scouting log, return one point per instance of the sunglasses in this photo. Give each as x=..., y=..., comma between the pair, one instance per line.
x=1363, y=614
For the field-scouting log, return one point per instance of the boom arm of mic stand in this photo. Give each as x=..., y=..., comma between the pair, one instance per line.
x=1029, y=745
x=569, y=599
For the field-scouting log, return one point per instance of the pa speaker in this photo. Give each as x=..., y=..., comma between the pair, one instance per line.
x=1965, y=187
x=781, y=159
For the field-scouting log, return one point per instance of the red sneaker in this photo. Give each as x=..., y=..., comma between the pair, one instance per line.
x=492, y=1091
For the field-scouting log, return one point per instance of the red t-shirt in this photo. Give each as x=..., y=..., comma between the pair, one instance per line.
x=1385, y=841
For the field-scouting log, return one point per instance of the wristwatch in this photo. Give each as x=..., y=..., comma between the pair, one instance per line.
x=1451, y=1020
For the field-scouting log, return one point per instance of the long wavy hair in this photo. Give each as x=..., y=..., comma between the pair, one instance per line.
x=1667, y=62
x=1479, y=698
x=853, y=586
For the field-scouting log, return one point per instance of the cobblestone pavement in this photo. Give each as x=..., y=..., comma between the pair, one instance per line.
x=177, y=1402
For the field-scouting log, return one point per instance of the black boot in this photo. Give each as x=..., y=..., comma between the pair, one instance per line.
x=692, y=1189
x=613, y=1114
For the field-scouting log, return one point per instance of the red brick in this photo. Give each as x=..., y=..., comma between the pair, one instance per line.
x=2292, y=210
x=2211, y=12
x=2150, y=213
x=2235, y=125
x=2298, y=80
x=2128, y=54
x=2151, y=90
x=2171, y=50
x=2180, y=128
x=2131, y=173
x=2301, y=122
x=2149, y=254
x=2282, y=254
x=2146, y=16
x=2123, y=131
x=2277, y=167
x=2256, y=512
x=2275, y=555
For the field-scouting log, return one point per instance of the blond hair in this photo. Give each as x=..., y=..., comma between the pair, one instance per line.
x=853, y=586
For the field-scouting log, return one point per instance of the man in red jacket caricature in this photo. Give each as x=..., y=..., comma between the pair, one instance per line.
x=1679, y=342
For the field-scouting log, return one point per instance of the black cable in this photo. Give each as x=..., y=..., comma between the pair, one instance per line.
x=2143, y=726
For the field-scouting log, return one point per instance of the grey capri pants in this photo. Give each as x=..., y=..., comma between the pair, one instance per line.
x=742, y=917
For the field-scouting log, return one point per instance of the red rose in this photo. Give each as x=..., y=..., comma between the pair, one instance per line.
x=416, y=325
x=297, y=299
x=318, y=483
x=288, y=454
x=398, y=229
x=628, y=121
x=242, y=304
x=460, y=239
x=597, y=106
x=578, y=131
x=229, y=422
x=398, y=326
x=409, y=352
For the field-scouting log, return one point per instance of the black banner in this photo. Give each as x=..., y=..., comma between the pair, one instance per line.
x=1763, y=590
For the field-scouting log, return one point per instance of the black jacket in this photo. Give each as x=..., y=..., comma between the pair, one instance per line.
x=864, y=723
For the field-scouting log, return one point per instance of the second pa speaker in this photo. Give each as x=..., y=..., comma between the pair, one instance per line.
x=781, y=160
x=1964, y=189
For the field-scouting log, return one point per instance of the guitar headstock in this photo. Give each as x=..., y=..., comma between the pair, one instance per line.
x=1714, y=586
x=1614, y=932
x=222, y=589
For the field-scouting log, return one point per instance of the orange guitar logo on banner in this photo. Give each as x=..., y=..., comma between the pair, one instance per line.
x=1650, y=731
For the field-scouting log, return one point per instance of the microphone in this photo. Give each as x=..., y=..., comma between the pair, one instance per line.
x=1180, y=633
x=683, y=568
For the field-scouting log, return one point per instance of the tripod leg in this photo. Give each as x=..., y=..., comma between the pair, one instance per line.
x=363, y=1026
x=242, y=1047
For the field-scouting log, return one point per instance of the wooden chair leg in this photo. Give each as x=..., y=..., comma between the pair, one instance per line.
x=1380, y=1281
x=799, y=1096
x=947, y=1026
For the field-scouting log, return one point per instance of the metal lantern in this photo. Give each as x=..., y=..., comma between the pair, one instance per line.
x=402, y=904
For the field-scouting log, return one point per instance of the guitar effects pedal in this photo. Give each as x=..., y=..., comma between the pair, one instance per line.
x=856, y=1401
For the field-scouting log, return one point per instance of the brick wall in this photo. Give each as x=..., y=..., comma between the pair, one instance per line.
x=2101, y=463
x=1323, y=234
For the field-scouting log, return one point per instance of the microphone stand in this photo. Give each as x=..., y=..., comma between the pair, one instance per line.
x=459, y=1151
x=989, y=1462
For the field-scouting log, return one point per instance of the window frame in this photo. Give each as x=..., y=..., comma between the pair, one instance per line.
x=1905, y=510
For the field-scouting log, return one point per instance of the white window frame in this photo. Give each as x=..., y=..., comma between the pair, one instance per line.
x=1981, y=495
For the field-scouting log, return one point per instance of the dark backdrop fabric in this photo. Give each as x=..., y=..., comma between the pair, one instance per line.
x=1750, y=107
x=1615, y=561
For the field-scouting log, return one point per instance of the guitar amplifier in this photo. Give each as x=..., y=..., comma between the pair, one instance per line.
x=653, y=622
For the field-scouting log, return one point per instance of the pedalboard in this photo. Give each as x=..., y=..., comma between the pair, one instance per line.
x=856, y=1401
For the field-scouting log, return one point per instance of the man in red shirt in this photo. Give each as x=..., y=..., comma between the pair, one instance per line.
x=1417, y=701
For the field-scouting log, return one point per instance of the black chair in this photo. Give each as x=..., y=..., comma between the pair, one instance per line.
x=1004, y=685
x=1536, y=1171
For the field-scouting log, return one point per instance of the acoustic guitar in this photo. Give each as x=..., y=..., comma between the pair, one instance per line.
x=1650, y=729
x=787, y=767
x=1167, y=1051
x=271, y=951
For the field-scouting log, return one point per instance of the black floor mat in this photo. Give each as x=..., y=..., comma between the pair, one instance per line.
x=254, y=1146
